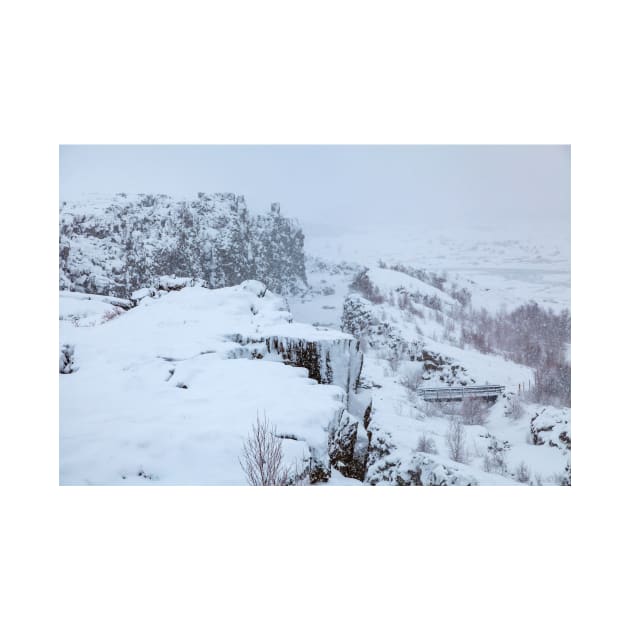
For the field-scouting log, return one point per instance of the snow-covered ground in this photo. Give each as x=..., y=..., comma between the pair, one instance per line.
x=163, y=389
x=157, y=394
x=503, y=444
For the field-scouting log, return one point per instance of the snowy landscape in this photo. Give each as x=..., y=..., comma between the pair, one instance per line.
x=186, y=325
x=335, y=246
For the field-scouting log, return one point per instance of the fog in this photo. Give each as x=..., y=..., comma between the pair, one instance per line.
x=328, y=186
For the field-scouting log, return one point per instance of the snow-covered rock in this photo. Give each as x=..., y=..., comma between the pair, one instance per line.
x=66, y=359
x=117, y=245
x=552, y=426
x=348, y=445
x=162, y=396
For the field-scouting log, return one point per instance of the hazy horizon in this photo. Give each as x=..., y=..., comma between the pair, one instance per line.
x=371, y=186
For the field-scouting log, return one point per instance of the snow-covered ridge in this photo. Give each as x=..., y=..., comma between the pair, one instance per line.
x=498, y=267
x=94, y=204
x=388, y=280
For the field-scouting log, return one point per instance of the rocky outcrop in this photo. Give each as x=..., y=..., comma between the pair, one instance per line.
x=425, y=471
x=370, y=323
x=551, y=426
x=418, y=470
x=116, y=245
x=348, y=446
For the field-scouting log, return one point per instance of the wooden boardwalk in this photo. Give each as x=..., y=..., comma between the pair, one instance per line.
x=451, y=394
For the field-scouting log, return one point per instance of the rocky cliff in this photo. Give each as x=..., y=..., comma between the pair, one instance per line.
x=116, y=245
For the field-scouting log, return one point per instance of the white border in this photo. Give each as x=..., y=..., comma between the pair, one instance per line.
x=289, y=72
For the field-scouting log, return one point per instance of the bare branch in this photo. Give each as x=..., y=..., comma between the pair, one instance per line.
x=262, y=459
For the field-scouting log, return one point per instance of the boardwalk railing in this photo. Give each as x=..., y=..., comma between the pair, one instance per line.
x=448, y=394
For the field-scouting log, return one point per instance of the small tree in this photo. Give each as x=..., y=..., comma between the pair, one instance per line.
x=522, y=473
x=474, y=411
x=426, y=444
x=456, y=441
x=516, y=407
x=262, y=460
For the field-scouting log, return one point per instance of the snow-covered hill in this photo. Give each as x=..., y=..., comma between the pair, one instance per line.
x=409, y=331
x=500, y=267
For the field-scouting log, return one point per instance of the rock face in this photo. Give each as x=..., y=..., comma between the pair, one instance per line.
x=348, y=446
x=329, y=361
x=332, y=359
x=119, y=244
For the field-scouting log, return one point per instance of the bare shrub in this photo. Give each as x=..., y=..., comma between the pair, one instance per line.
x=430, y=409
x=426, y=444
x=450, y=409
x=488, y=464
x=394, y=363
x=474, y=411
x=516, y=408
x=449, y=327
x=494, y=460
x=494, y=463
x=478, y=451
x=362, y=284
x=109, y=315
x=440, y=409
x=262, y=460
x=553, y=382
x=522, y=473
x=456, y=441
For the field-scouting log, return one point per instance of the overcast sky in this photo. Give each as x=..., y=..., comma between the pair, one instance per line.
x=341, y=185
